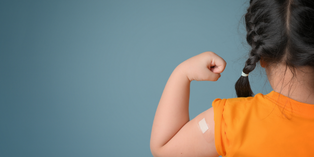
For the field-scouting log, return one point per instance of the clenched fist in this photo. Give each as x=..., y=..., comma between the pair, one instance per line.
x=206, y=66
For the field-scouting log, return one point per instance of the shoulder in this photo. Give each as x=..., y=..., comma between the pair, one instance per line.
x=242, y=101
x=229, y=110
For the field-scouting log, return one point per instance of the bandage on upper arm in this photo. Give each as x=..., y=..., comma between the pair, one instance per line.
x=206, y=126
x=203, y=125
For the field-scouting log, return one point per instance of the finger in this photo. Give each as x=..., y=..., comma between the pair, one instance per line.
x=218, y=65
x=214, y=77
x=217, y=70
x=210, y=76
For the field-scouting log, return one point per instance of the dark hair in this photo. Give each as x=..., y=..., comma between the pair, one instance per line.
x=279, y=31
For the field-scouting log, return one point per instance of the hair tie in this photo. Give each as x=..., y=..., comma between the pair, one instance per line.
x=244, y=74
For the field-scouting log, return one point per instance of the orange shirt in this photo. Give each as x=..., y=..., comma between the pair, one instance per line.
x=264, y=125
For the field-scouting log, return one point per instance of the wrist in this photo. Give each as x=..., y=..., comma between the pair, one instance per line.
x=181, y=71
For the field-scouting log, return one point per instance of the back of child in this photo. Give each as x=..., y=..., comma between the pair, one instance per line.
x=281, y=123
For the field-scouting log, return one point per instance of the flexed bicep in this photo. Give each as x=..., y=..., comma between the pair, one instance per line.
x=195, y=138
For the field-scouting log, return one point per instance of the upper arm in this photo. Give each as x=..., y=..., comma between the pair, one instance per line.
x=191, y=141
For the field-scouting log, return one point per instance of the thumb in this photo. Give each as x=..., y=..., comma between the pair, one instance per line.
x=217, y=65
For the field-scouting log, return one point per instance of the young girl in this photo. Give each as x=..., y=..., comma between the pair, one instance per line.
x=281, y=123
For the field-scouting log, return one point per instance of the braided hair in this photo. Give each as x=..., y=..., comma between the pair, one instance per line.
x=278, y=31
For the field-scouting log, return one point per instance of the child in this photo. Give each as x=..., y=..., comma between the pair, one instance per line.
x=281, y=123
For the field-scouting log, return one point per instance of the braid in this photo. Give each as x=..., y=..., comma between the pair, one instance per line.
x=243, y=88
x=279, y=31
x=255, y=40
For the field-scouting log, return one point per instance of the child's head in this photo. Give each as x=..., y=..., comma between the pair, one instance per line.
x=279, y=31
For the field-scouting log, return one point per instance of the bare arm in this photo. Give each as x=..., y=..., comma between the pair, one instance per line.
x=173, y=134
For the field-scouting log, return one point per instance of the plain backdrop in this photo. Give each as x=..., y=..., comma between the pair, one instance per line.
x=84, y=78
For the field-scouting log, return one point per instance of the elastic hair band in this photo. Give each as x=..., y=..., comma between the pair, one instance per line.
x=244, y=74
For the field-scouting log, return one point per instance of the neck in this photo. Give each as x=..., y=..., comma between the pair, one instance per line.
x=297, y=84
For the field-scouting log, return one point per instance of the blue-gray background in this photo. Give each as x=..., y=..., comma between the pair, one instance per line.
x=83, y=78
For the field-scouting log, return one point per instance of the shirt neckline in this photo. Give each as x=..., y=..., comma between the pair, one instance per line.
x=291, y=104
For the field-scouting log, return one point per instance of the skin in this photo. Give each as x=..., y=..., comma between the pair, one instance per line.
x=174, y=134
x=299, y=87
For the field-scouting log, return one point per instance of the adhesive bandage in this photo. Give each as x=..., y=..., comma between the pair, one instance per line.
x=203, y=125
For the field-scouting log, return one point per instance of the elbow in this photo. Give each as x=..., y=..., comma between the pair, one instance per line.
x=156, y=153
x=155, y=150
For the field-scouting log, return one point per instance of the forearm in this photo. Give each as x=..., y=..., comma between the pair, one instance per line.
x=173, y=134
x=173, y=109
